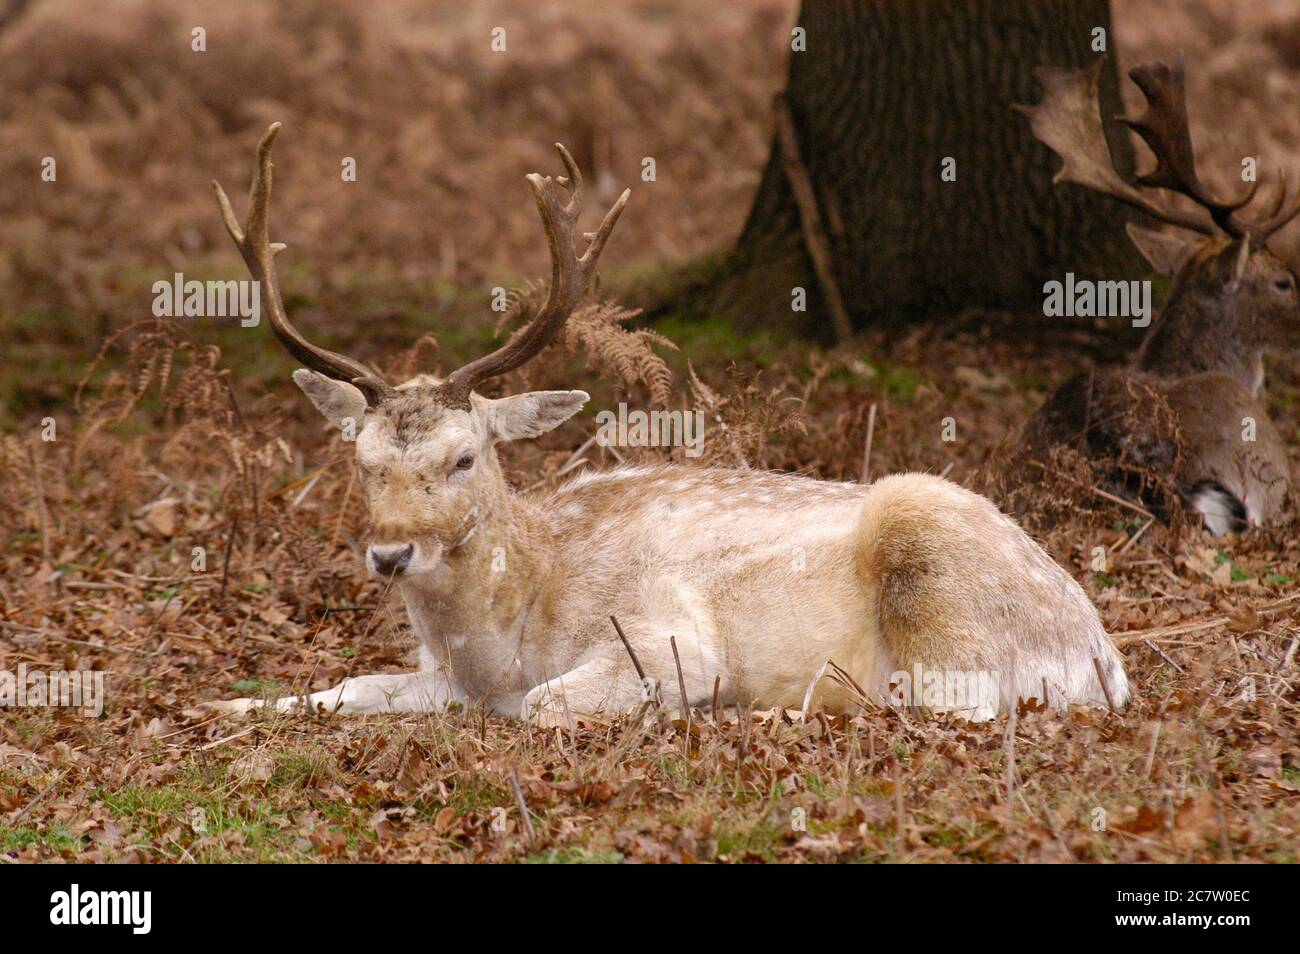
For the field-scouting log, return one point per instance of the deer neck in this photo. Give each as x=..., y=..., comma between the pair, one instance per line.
x=470, y=614
x=1198, y=333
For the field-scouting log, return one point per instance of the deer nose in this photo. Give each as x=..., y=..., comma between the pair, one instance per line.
x=390, y=559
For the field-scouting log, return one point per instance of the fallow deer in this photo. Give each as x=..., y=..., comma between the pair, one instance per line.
x=761, y=577
x=1187, y=412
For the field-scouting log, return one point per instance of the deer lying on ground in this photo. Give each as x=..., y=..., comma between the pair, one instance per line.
x=1187, y=412
x=760, y=577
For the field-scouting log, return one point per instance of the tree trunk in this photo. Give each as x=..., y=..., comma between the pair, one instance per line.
x=883, y=93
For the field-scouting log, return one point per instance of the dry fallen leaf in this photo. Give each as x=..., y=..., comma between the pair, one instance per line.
x=254, y=766
x=158, y=517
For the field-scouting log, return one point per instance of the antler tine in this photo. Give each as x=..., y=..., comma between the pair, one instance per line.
x=1279, y=195
x=1282, y=212
x=1165, y=129
x=570, y=275
x=1068, y=121
x=258, y=251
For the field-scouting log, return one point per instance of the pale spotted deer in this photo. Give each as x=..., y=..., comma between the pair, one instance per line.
x=1186, y=417
x=761, y=577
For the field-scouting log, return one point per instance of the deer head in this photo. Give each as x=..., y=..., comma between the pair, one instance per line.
x=425, y=449
x=1226, y=268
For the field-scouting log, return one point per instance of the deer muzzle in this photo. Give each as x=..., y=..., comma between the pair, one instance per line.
x=389, y=559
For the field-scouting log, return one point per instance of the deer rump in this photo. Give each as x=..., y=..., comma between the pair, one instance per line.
x=1151, y=441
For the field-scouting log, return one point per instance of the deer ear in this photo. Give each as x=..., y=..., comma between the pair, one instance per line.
x=340, y=401
x=1165, y=251
x=532, y=413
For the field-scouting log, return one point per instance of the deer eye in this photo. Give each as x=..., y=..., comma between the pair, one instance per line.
x=1283, y=282
x=465, y=462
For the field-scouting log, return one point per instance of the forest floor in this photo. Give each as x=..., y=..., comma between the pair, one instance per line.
x=99, y=573
x=191, y=529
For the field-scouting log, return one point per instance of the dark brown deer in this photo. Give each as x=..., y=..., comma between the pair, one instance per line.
x=1185, y=417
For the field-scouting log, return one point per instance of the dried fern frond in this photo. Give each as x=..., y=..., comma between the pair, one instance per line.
x=746, y=418
x=596, y=330
x=186, y=374
x=419, y=356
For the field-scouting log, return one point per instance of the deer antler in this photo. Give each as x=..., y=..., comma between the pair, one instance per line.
x=1068, y=120
x=259, y=253
x=1165, y=130
x=570, y=275
x=1282, y=213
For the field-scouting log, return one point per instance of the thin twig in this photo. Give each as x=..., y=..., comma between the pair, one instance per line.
x=343, y=507
x=899, y=819
x=225, y=564
x=1094, y=490
x=1161, y=653
x=302, y=494
x=1105, y=686
x=1183, y=629
x=1151, y=753
x=681, y=687
x=744, y=717
x=228, y=738
x=628, y=646
x=153, y=627
x=1134, y=539
x=19, y=815
x=866, y=453
x=574, y=460
x=1122, y=502
x=1011, y=761
x=523, y=808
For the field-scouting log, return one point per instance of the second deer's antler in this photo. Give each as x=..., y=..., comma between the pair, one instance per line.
x=570, y=275
x=1165, y=130
x=1068, y=120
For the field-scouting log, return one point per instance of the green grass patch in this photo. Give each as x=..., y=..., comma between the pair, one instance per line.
x=56, y=838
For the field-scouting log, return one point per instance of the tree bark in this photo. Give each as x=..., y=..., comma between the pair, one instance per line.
x=883, y=93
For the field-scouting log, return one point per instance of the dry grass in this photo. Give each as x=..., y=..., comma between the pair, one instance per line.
x=177, y=446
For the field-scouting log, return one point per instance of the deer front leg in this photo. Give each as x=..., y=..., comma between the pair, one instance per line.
x=396, y=692
x=602, y=687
